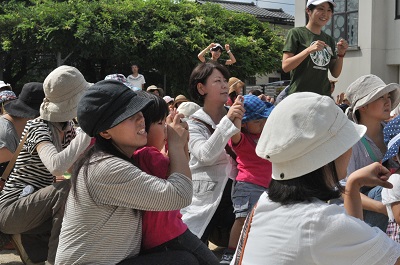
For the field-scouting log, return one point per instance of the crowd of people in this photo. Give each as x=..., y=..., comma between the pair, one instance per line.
x=298, y=179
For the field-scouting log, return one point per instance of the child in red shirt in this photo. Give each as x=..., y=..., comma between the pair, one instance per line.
x=164, y=230
x=254, y=173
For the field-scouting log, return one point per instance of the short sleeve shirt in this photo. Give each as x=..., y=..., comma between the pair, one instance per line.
x=312, y=233
x=312, y=73
x=137, y=81
x=8, y=135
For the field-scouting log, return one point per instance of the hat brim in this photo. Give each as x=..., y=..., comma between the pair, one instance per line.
x=392, y=88
x=20, y=109
x=322, y=1
x=392, y=151
x=332, y=148
x=135, y=105
x=176, y=102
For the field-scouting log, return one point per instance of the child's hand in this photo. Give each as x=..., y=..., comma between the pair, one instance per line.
x=236, y=111
x=372, y=175
x=171, y=116
x=177, y=131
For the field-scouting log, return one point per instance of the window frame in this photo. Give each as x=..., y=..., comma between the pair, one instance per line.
x=346, y=14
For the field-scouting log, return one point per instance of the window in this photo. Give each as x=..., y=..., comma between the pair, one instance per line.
x=397, y=15
x=344, y=23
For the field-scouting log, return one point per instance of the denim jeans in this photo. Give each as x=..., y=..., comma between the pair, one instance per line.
x=373, y=218
x=190, y=243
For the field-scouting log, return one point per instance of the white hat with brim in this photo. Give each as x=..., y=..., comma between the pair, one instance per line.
x=306, y=131
x=63, y=88
x=367, y=89
x=318, y=2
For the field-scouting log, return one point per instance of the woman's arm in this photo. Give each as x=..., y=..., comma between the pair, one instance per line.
x=232, y=58
x=178, y=136
x=372, y=205
x=5, y=155
x=203, y=52
x=290, y=60
x=372, y=175
x=336, y=64
x=59, y=162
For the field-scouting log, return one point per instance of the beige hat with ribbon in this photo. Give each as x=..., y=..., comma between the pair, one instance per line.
x=367, y=89
x=63, y=88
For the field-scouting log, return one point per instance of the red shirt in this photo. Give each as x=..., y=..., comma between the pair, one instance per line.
x=157, y=227
x=251, y=167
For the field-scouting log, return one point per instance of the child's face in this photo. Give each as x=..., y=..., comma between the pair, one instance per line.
x=215, y=88
x=129, y=134
x=378, y=109
x=255, y=126
x=157, y=134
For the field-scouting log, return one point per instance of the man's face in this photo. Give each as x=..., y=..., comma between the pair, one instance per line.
x=135, y=68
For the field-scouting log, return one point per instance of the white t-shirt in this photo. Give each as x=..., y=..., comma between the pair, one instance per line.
x=390, y=196
x=312, y=233
x=137, y=81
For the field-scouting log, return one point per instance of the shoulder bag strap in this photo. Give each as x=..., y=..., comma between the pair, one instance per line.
x=367, y=146
x=228, y=149
x=10, y=165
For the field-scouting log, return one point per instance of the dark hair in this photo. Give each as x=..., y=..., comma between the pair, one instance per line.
x=233, y=95
x=358, y=115
x=216, y=48
x=316, y=184
x=155, y=112
x=312, y=7
x=101, y=145
x=135, y=64
x=200, y=75
x=255, y=92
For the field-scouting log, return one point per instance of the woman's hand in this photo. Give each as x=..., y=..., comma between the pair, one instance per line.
x=372, y=175
x=177, y=131
x=318, y=45
x=342, y=46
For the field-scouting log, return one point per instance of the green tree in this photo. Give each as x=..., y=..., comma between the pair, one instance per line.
x=106, y=36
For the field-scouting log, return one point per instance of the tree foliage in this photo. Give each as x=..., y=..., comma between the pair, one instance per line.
x=101, y=37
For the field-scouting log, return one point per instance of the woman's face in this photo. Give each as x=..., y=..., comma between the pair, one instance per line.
x=215, y=54
x=320, y=15
x=128, y=135
x=215, y=88
x=341, y=164
x=378, y=109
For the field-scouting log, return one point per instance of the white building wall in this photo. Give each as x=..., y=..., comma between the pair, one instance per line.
x=378, y=50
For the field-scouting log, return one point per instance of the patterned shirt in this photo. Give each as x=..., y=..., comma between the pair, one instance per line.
x=29, y=168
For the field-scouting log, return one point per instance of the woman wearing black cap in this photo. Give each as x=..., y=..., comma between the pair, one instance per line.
x=103, y=218
x=216, y=50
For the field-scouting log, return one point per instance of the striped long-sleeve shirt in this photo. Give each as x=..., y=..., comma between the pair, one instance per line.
x=102, y=224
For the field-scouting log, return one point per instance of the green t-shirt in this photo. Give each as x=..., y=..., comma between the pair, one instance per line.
x=312, y=73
